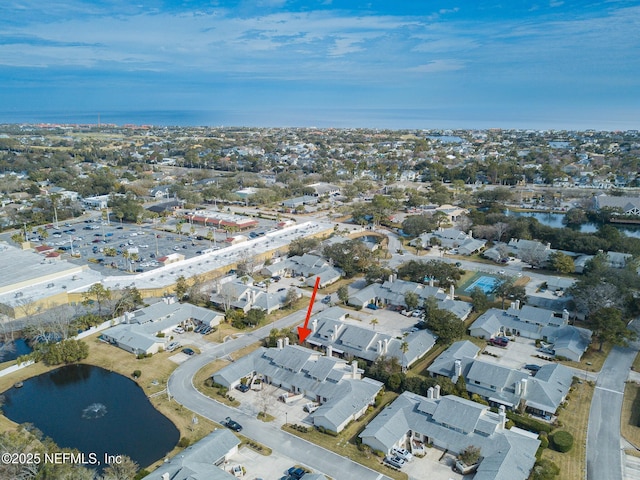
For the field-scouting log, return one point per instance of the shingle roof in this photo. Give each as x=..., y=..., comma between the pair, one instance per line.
x=455, y=424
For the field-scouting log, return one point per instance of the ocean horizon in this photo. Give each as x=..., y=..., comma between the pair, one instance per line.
x=392, y=119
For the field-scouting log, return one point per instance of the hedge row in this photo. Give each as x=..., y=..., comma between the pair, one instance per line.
x=528, y=423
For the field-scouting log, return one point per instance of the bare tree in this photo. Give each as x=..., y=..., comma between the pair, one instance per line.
x=227, y=295
x=501, y=229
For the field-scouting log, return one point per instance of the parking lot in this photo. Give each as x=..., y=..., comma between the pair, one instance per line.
x=104, y=245
x=515, y=355
x=274, y=466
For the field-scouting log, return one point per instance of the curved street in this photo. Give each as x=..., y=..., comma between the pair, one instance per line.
x=605, y=454
x=182, y=390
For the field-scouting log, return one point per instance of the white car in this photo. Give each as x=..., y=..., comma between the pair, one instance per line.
x=172, y=346
x=178, y=330
x=402, y=453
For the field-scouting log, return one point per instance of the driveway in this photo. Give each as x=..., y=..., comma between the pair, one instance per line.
x=182, y=390
x=604, y=448
x=437, y=463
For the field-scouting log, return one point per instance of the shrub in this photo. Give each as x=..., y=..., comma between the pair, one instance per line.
x=470, y=455
x=184, y=442
x=528, y=423
x=137, y=373
x=545, y=470
x=562, y=441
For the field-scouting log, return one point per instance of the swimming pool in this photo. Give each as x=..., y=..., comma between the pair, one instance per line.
x=484, y=283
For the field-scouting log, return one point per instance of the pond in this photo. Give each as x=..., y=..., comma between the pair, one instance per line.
x=95, y=411
x=554, y=219
x=13, y=350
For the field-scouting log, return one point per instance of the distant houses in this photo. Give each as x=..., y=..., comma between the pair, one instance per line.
x=235, y=293
x=393, y=292
x=331, y=331
x=149, y=330
x=451, y=238
x=534, y=323
x=540, y=394
x=626, y=205
x=307, y=266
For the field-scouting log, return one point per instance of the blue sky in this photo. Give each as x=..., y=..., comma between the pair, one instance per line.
x=379, y=63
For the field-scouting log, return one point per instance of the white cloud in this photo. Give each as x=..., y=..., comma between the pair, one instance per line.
x=437, y=66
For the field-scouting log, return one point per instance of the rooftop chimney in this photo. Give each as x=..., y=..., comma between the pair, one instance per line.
x=430, y=392
x=329, y=351
x=436, y=392
x=379, y=347
x=565, y=315
x=314, y=325
x=279, y=343
x=452, y=290
x=386, y=345
x=286, y=341
x=523, y=387
x=502, y=413
x=458, y=366
x=431, y=281
x=354, y=369
x=517, y=304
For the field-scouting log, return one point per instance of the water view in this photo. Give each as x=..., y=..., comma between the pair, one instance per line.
x=94, y=411
x=14, y=349
x=554, y=219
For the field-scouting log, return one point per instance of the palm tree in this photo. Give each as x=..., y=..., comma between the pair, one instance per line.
x=125, y=255
x=179, y=228
x=18, y=238
x=404, y=348
x=374, y=322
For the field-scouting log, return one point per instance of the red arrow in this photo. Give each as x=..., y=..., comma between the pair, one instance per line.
x=304, y=332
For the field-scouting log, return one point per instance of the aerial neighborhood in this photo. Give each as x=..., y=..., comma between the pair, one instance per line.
x=318, y=303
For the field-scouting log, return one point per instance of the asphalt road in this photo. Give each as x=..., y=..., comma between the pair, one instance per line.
x=182, y=390
x=604, y=451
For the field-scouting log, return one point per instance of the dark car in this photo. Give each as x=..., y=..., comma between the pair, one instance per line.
x=242, y=387
x=327, y=299
x=499, y=341
x=297, y=472
x=232, y=424
x=532, y=367
x=188, y=351
x=372, y=306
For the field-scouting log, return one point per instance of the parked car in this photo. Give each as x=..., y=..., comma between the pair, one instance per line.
x=241, y=387
x=297, y=472
x=499, y=342
x=532, y=367
x=372, y=306
x=178, y=330
x=402, y=453
x=172, y=346
x=547, y=351
x=188, y=351
x=394, y=461
x=260, y=284
x=326, y=299
x=232, y=424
